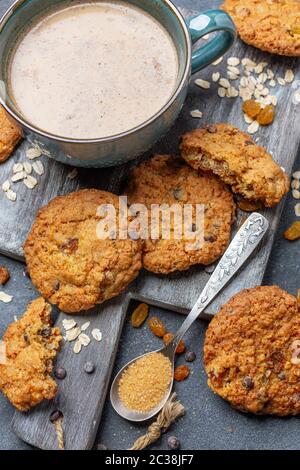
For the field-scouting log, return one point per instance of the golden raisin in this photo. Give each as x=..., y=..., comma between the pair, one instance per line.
x=181, y=346
x=293, y=232
x=181, y=373
x=4, y=275
x=251, y=108
x=157, y=327
x=139, y=315
x=249, y=206
x=266, y=115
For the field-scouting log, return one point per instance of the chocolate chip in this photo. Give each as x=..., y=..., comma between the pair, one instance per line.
x=26, y=338
x=89, y=367
x=194, y=228
x=190, y=356
x=212, y=129
x=248, y=383
x=55, y=416
x=60, y=373
x=46, y=332
x=173, y=443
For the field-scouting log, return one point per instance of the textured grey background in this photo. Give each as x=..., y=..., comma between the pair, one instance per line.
x=209, y=422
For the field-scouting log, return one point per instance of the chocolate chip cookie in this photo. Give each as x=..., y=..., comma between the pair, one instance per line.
x=252, y=352
x=168, y=180
x=269, y=25
x=10, y=135
x=31, y=345
x=69, y=263
x=235, y=158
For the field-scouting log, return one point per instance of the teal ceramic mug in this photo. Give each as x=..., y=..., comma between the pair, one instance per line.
x=120, y=148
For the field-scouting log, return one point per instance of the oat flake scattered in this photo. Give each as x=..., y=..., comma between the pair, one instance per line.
x=27, y=167
x=295, y=184
x=11, y=195
x=297, y=97
x=202, y=83
x=73, y=333
x=69, y=324
x=77, y=347
x=221, y=92
x=5, y=298
x=18, y=177
x=218, y=61
x=6, y=186
x=289, y=76
x=296, y=175
x=84, y=339
x=30, y=181
x=17, y=167
x=224, y=82
x=296, y=194
x=215, y=76
x=196, y=113
x=281, y=81
x=97, y=335
x=253, y=127
x=233, y=61
x=297, y=209
x=34, y=152
x=85, y=326
x=38, y=167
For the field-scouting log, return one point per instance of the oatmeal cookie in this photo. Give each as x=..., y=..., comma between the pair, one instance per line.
x=233, y=156
x=10, y=135
x=67, y=261
x=269, y=25
x=168, y=180
x=252, y=352
x=31, y=346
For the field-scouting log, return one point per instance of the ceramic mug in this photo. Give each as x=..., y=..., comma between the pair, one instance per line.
x=127, y=145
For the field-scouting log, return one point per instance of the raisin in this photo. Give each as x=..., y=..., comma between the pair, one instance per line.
x=181, y=373
x=266, y=115
x=251, y=108
x=293, y=232
x=139, y=315
x=168, y=338
x=4, y=275
x=70, y=245
x=249, y=206
x=157, y=327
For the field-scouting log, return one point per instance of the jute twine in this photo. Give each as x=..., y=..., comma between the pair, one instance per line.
x=60, y=433
x=172, y=410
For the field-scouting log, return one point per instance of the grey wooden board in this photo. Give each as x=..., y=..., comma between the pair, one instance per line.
x=177, y=291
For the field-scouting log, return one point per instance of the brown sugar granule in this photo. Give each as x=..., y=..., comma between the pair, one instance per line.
x=145, y=382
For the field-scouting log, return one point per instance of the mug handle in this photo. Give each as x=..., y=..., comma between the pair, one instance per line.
x=207, y=22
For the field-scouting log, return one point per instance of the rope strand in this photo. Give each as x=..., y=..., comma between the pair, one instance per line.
x=172, y=410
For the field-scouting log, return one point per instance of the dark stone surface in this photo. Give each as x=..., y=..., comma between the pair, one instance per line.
x=209, y=422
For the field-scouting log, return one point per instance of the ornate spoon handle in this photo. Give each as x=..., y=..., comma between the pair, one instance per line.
x=239, y=250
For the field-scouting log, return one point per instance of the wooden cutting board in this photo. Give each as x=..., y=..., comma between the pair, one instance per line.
x=81, y=397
